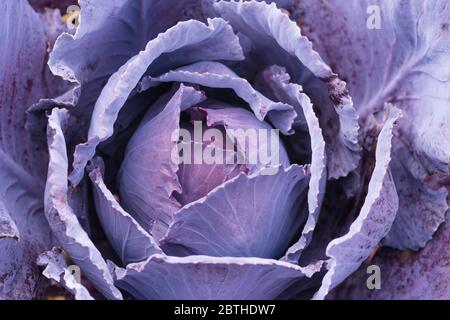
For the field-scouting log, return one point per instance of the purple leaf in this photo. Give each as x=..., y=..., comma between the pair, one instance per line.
x=147, y=177
x=240, y=119
x=421, y=209
x=61, y=218
x=210, y=175
x=65, y=100
x=348, y=252
x=259, y=20
x=24, y=79
x=130, y=241
x=21, y=196
x=247, y=216
x=203, y=277
x=217, y=75
x=407, y=63
x=407, y=275
x=277, y=80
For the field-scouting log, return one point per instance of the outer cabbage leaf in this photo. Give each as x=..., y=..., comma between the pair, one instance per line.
x=21, y=197
x=109, y=34
x=61, y=217
x=23, y=48
x=269, y=29
x=247, y=216
x=215, y=41
x=203, y=277
x=422, y=206
x=407, y=275
x=406, y=62
x=374, y=221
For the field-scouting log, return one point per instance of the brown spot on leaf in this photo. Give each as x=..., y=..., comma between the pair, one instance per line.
x=336, y=88
x=29, y=85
